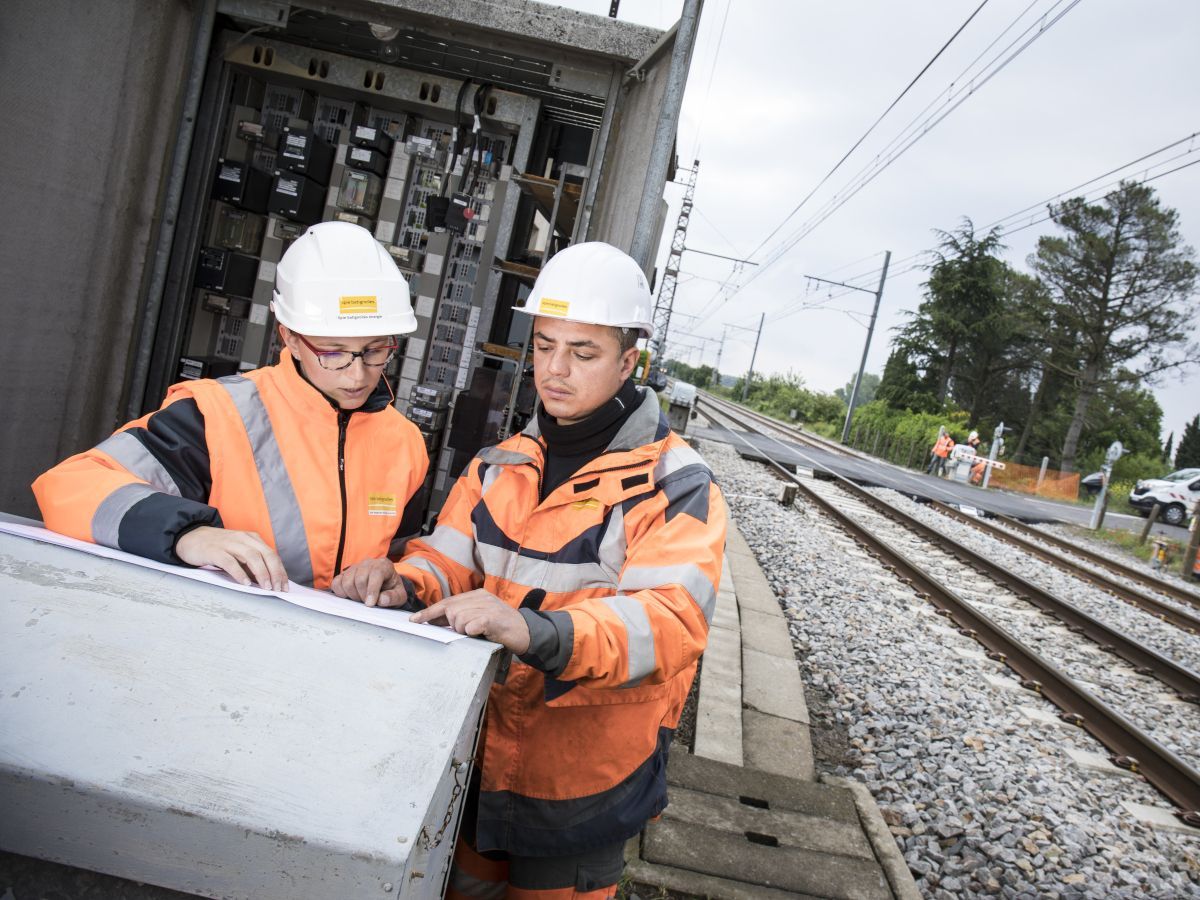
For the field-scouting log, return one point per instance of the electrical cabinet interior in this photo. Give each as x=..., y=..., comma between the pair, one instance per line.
x=469, y=184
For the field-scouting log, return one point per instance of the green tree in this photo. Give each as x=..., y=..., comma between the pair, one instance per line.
x=1005, y=345
x=902, y=386
x=778, y=395
x=964, y=290
x=1167, y=447
x=701, y=376
x=1187, y=455
x=866, y=393
x=1121, y=282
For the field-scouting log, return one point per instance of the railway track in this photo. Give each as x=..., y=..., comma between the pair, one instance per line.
x=1130, y=745
x=1023, y=536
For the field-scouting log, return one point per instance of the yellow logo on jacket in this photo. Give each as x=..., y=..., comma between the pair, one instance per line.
x=361, y=305
x=548, y=307
x=381, y=504
x=589, y=503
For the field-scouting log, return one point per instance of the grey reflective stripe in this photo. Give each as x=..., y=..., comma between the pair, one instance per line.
x=106, y=520
x=641, y=427
x=494, y=456
x=489, y=478
x=688, y=576
x=291, y=541
x=540, y=573
x=133, y=455
x=420, y=562
x=675, y=459
x=454, y=544
x=470, y=886
x=613, y=544
x=425, y=565
x=639, y=636
x=533, y=428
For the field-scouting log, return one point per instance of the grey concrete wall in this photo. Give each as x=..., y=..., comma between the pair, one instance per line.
x=618, y=195
x=90, y=93
x=540, y=22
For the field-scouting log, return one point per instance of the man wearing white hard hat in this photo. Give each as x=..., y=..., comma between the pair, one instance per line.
x=289, y=472
x=590, y=545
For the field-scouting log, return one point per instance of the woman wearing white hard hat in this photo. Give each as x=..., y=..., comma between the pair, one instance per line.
x=286, y=473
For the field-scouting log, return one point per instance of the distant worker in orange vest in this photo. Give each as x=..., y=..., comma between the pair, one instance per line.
x=977, y=469
x=288, y=472
x=941, y=450
x=590, y=545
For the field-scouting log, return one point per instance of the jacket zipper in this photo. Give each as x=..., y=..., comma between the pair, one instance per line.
x=343, y=421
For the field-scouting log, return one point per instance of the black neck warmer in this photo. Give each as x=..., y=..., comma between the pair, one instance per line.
x=571, y=447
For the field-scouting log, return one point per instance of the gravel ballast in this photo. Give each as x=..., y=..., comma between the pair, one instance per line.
x=972, y=772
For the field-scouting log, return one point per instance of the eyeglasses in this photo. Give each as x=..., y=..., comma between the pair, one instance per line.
x=335, y=360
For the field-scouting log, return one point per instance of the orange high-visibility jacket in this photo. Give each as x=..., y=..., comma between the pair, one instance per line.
x=264, y=452
x=616, y=573
x=944, y=445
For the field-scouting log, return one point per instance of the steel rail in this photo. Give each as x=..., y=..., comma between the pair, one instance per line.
x=1171, y=775
x=1179, y=618
x=1157, y=584
x=1144, y=660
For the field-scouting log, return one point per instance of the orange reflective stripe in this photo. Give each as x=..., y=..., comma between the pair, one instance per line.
x=475, y=876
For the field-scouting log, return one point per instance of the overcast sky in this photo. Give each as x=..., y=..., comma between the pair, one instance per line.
x=796, y=83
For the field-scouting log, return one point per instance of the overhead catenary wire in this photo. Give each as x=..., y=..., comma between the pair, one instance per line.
x=916, y=266
x=916, y=262
x=712, y=69
x=730, y=289
x=875, y=169
x=868, y=132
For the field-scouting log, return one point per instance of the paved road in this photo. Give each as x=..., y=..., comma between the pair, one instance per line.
x=875, y=472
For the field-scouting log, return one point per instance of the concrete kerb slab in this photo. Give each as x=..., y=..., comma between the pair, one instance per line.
x=754, y=593
x=771, y=684
x=767, y=634
x=719, y=704
x=693, y=883
x=776, y=745
x=888, y=854
x=734, y=832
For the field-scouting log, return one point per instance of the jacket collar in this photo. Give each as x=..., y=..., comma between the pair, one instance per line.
x=313, y=400
x=645, y=426
x=643, y=434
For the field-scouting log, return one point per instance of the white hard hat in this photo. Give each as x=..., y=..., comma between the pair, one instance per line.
x=594, y=283
x=973, y=436
x=336, y=280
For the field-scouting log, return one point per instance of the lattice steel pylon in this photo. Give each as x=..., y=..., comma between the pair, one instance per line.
x=666, y=288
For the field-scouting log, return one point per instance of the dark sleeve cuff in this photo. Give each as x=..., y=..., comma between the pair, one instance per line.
x=152, y=526
x=551, y=639
x=414, y=602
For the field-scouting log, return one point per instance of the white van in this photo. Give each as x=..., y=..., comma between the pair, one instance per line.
x=1176, y=493
x=682, y=394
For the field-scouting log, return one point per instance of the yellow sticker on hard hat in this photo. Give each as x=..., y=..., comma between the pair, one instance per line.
x=548, y=307
x=362, y=305
x=381, y=504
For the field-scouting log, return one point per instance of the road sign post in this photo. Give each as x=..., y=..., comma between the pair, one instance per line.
x=1114, y=453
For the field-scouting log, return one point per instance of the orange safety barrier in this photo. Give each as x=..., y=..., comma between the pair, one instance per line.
x=1056, y=484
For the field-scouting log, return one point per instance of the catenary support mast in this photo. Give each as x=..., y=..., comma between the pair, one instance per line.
x=666, y=288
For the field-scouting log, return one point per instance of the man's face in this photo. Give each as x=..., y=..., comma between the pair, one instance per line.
x=577, y=368
x=348, y=387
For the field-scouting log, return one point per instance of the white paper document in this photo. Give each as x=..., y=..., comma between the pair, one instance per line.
x=318, y=601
